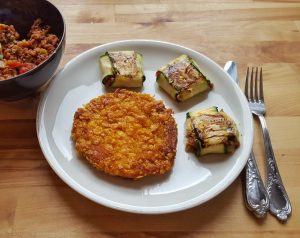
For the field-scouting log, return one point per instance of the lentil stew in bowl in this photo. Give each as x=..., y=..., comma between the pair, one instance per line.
x=21, y=27
x=18, y=56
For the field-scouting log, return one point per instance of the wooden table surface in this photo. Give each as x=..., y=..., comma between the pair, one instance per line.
x=35, y=202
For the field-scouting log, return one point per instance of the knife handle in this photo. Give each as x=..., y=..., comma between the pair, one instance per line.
x=256, y=196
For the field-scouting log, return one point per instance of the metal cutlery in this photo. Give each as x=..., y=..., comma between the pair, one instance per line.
x=256, y=196
x=280, y=205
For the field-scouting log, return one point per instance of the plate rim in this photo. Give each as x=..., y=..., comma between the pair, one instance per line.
x=126, y=207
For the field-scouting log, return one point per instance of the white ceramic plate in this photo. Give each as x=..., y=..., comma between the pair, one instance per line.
x=191, y=181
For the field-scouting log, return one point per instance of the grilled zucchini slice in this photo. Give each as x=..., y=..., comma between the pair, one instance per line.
x=182, y=79
x=122, y=69
x=211, y=131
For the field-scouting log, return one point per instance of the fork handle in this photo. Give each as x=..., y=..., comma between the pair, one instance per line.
x=280, y=205
x=256, y=196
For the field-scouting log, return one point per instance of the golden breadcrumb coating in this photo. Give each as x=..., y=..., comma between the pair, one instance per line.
x=127, y=134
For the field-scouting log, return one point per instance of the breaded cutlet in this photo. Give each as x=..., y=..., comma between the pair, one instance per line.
x=127, y=134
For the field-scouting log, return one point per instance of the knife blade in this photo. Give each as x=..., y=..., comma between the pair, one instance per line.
x=231, y=68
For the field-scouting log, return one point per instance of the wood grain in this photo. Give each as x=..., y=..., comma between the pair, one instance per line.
x=35, y=202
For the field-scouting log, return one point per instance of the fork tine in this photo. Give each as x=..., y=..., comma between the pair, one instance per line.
x=246, y=84
x=256, y=85
x=261, y=90
x=251, y=85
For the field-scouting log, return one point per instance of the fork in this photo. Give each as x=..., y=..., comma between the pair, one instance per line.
x=280, y=205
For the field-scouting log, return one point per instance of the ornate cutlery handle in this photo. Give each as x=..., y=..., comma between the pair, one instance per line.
x=280, y=205
x=255, y=193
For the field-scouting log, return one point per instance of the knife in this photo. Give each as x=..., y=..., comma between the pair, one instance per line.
x=231, y=69
x=256, y=196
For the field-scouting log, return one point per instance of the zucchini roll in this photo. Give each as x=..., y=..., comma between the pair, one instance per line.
x=211, y=131
x=182, y=79
x=122, y=69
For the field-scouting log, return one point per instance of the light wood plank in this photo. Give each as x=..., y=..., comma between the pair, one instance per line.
x=159, y=29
